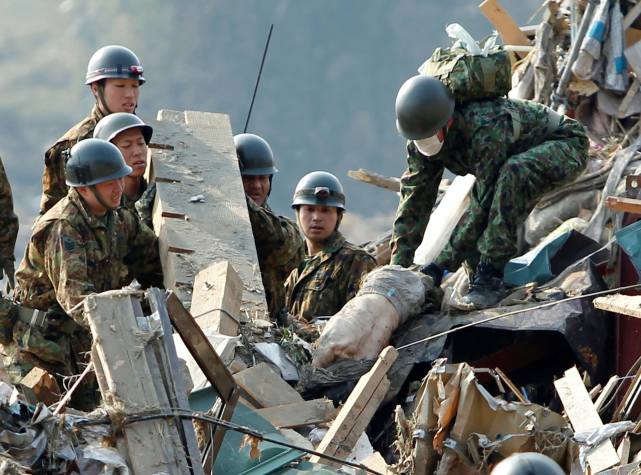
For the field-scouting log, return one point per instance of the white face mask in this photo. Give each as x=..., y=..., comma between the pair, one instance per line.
x=429, y=146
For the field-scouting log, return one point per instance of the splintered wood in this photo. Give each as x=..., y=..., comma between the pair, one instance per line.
x=629, y=305
x=200, y=212
x=583, y=416
x=134, y=377
x=359, y=409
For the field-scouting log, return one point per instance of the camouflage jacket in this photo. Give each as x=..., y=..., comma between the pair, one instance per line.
x=323, y=283
x=280, y=249
x=54, y=187
x=72, y=253
x=143, y=204
x=483, y=136
x=8, y=219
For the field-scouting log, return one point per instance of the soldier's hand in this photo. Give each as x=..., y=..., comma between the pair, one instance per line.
x=435, y=272
x=7, y=268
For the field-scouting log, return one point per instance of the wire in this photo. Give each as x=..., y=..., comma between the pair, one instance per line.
x=174, y=412
x=515, y=312
x=260, y=72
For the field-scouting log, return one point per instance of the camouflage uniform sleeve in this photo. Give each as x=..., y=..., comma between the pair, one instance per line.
x=361, y=265
x=274, y=234
x=65, y=262
x=8, y=219
x=145, y=205
x=419, y=188
x=143, y=258
x=54, y=187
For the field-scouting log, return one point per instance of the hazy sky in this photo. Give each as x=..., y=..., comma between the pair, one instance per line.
x=326, y=99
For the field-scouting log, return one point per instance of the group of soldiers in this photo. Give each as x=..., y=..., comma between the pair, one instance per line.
x=94, y=230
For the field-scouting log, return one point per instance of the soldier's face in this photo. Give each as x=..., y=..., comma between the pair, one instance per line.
x=131, y=144
x=120, y=95
x=317, y=222
x=257, y=187
x=110, y=193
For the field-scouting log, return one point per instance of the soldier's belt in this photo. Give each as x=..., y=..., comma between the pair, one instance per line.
x=38, y=318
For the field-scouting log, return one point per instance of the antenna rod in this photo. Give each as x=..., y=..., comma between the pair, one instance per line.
x=260, y=72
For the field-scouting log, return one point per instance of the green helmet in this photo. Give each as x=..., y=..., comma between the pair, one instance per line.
x=112, y=124
x=319, y=188
x=94, y=161
x=423, y=106
x=254, y=154
x=527, y=463
x=114, y=61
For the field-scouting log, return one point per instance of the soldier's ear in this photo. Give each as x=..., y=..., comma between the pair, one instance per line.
x=94, y=89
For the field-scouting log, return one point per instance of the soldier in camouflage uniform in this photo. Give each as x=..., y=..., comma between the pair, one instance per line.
x=87, y=243
x=332, y=272
x=279, y=245
x=8, y=227
x=131, y=135
x=518, y=151
x=114, y=74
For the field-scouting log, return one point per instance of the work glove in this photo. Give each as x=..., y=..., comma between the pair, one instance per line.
x=435, y=272
x=7, y=268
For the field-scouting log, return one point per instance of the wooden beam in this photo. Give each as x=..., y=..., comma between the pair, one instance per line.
x=629, y=305
x=195, y=235
x=376, y=179
x=583, y=416
x=131, y=385
x=358, y=410
x=504, y=24
x=299, y=414
x=625, y=205
x=266, y=388
x=200, y=348
x=216, y=298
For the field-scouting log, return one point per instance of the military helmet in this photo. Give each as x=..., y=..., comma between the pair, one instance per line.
x=423, y=106
x=114, y=61
x=94, y=161
x=113, y=124
x=527, y=463
x=319, y=188
x=254, y=154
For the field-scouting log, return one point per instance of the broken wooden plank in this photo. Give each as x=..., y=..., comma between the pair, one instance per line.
x=194, y=234
x=511, y=385
x=633, y=55
x=153, y=446
x=265, y=387
x=299, y=414
x=376, y=179
x=625, y=205
x=629, y=305
x=216, y=298
x=359, y=409
x=504, y=24
x=583, y=417
x=623, y=450
x=605, y=394
x=200, y=348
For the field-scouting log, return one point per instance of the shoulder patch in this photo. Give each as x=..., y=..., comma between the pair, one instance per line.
x=68, y=244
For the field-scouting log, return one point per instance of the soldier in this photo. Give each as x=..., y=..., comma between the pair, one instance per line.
x=87, y=243
x=114, y=74
x=8, y=228
x=279, y=245
x=332, y=272
x=518, y=151
x=131, y=135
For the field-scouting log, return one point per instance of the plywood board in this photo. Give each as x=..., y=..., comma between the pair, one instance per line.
x=299, y=414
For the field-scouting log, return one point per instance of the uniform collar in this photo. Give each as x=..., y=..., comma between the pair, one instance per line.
x=333, y=244
x=92, y=220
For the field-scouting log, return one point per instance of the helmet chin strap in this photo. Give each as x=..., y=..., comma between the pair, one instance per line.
x=99, y=199
x=102, y=103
